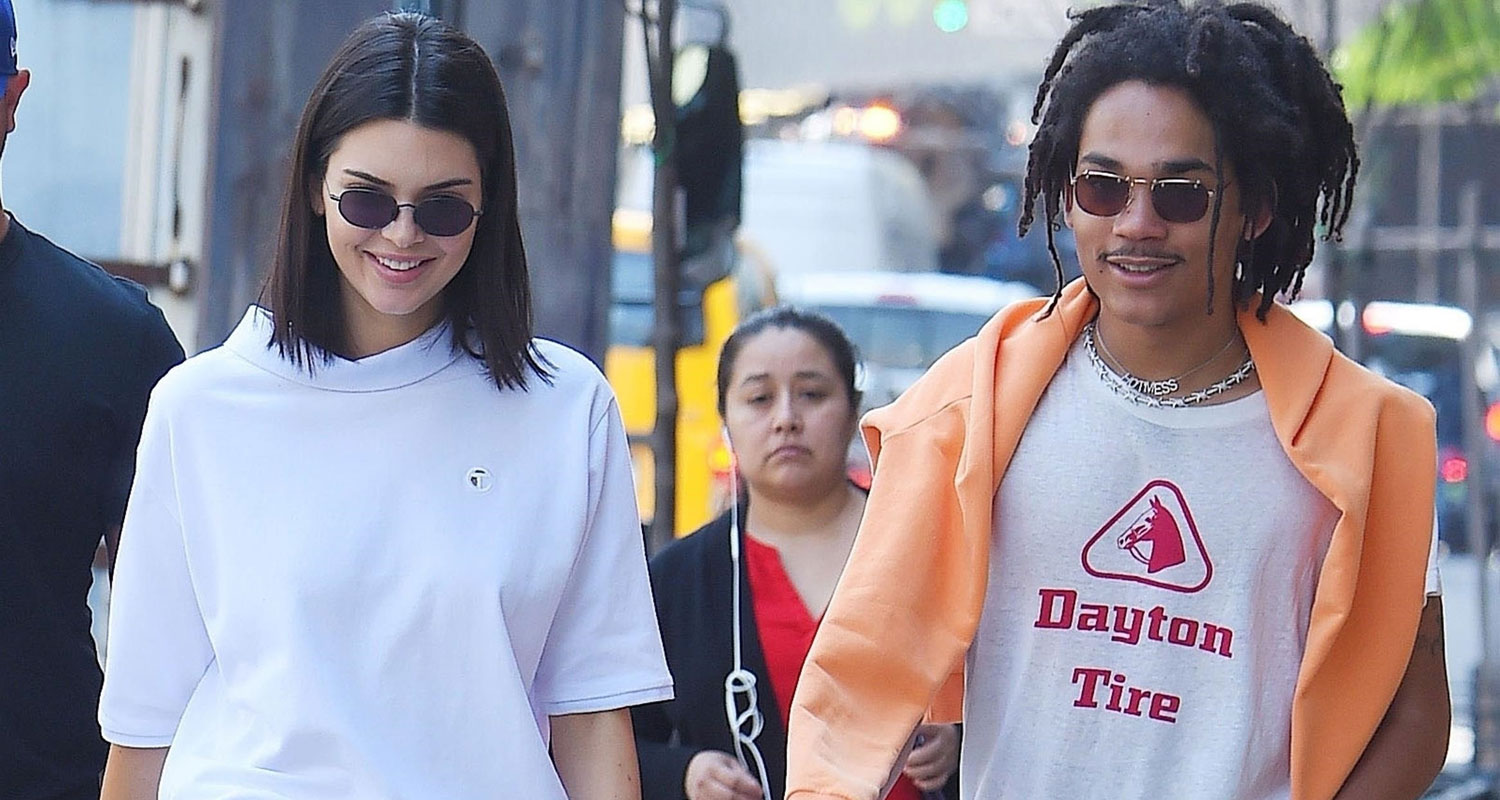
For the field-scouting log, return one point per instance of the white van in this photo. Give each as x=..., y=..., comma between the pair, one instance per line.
x=819, y=206
x=835, y=206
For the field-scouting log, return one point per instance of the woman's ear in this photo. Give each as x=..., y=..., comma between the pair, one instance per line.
x=316, y=199
x=854, y=415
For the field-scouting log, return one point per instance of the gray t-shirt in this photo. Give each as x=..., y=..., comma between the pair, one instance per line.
x=1150, y=587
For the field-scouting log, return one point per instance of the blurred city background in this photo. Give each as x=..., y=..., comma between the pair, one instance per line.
x=863, y=157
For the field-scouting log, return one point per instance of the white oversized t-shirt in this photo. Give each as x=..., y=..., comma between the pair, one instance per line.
x=1151, y=583
x=377, y=580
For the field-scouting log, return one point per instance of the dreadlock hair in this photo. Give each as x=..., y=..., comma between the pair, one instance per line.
x=1277, y=117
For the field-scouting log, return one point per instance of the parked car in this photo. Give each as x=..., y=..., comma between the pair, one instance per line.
x=1420, y=346
x=900, y=322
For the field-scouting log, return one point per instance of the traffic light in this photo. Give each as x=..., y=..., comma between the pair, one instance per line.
x=951, y=16
x=710, y=145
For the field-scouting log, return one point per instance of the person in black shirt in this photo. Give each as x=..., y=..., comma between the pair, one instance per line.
x=79, y=353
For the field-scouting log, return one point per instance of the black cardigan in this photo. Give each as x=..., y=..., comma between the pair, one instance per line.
x=691, y=580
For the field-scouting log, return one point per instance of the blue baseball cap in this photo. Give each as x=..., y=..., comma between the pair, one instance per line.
x=8, y=37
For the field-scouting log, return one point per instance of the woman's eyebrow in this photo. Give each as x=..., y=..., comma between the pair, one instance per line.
x=440, y=185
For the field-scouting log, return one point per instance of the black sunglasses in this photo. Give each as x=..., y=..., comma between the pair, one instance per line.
x=1105, y=194
x=438, y=216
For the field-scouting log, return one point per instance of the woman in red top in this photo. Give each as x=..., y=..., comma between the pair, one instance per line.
x=740, y=599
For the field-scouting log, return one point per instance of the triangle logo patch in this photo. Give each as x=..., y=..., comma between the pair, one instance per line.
x=1151, y=540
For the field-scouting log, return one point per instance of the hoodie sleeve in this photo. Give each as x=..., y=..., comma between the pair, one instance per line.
x=900, y=620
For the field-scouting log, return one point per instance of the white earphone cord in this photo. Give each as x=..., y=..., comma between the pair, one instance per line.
x=740, y=680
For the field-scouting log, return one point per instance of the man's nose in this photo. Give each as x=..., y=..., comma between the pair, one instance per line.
x=1138, y=219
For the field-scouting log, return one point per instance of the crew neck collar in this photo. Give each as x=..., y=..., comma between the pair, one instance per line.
x=399, y=366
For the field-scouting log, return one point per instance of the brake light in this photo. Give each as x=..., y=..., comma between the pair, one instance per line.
x=880, y=123
x=1415, y=319
x=1492, y=421
x=1455, y=469
x=1375, y=323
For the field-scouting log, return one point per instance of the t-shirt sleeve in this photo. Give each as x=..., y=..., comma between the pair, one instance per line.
x=604, y=650
x=1434, y=586
x=158, y=646
x=155, y=351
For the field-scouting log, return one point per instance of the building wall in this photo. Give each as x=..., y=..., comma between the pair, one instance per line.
x=108, y=156
x=63, y=170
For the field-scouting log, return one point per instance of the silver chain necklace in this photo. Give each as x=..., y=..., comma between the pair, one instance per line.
x=1164, y=386
x=1142, y=392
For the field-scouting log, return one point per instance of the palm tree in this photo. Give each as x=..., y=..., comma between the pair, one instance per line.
x=1428, y=51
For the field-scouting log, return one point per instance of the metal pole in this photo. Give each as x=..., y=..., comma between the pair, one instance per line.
x=1337, y=282
x=1330, y=26
x=1473, y=408
x=666, y=335
x=1487, y=674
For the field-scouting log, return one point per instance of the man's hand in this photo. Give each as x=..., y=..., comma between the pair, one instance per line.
x=934, y=757
x=713, y=775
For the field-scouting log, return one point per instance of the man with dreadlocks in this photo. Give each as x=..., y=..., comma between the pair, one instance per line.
x=1153, y=537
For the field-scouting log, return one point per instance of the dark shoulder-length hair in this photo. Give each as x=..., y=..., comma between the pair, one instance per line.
x=406, y=66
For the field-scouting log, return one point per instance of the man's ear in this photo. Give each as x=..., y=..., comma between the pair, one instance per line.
x=15, y=86
x=1258, y=220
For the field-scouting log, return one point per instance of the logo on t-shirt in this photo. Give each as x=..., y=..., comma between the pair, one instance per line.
x=1152, y=540
x=479, y=479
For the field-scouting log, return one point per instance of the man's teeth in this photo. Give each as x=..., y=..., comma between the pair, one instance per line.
x=398, y=266
x=1139, y=267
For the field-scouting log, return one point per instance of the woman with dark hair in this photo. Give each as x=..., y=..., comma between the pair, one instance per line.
x=382, y=542
x=740, y=598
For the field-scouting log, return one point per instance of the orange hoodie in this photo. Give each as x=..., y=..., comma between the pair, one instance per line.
x=892, y=643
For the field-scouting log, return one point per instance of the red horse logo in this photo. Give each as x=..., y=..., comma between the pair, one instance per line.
x=1154, y=539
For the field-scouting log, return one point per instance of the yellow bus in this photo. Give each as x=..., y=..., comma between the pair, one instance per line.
x=707, y=319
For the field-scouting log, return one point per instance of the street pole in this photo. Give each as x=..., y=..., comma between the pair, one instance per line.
x=1336, y=277
x=1487, y=674
x=666, y=333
